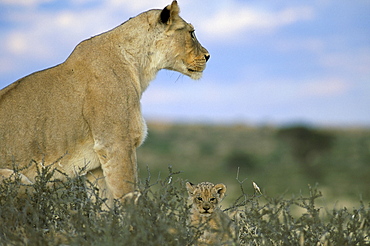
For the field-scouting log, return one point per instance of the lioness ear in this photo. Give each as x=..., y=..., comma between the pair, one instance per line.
x=169, y=13
x=221, y=189
x=190, y=188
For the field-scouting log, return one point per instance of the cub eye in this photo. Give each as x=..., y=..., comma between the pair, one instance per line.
x=199, y=199
x=192, y=34
x=212, y=199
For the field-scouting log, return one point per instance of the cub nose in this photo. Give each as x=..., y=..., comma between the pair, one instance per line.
x=207, y=56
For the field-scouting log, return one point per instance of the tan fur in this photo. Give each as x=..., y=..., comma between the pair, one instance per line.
x=87, y=109
x=216, y=227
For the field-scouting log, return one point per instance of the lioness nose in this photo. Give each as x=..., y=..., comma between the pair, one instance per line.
x=207, y=56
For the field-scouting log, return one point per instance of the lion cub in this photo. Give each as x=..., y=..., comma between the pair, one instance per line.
x=216, y=227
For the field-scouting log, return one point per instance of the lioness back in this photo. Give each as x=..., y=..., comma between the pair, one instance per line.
x=87, y=109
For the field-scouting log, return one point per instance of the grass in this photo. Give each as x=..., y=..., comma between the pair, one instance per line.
x=62, y=213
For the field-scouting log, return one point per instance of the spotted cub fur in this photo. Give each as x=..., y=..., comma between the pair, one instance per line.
x=215, y=226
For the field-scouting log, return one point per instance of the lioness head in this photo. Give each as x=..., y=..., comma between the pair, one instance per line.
x=205, y=196
x=181, y=44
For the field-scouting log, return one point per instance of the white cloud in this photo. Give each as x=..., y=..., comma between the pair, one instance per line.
x=16, y=43
x=325, y=87
x=49, y=36
x=234, y=19
x=356, y=61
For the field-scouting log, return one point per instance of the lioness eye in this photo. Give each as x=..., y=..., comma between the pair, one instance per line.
x=212, y=199
x=199, y=199
x=192, y=34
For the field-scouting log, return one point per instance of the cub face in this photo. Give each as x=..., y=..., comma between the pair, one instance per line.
x=205, y=196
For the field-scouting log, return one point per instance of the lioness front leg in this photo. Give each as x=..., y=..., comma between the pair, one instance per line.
x=119, y=170
x=117, y=129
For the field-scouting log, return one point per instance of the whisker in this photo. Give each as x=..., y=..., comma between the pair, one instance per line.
x=178, y=77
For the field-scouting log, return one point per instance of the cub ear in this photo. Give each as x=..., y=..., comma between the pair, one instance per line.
x=220, y=189
x=169, y=13
x=190, y=187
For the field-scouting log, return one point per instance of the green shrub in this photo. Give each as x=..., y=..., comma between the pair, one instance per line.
x=306, y=146
x=55, y=213
x=240, y=159
x=272, y=223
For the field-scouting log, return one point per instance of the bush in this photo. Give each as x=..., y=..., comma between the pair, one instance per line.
x=54, y=213
x=306, y=145
x=272, y=223
x=240, y=159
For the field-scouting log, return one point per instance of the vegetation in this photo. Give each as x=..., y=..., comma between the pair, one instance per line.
x=306, y=145
x=63, y=213
x=285, y=213
x=282, y=161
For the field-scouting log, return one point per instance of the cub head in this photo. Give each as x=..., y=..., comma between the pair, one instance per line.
x=183, y=51
x=205, y=196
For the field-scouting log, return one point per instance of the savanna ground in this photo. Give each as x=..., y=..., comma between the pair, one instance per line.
x=314, y=185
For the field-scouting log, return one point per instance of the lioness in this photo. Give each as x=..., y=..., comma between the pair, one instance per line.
x=87, y=109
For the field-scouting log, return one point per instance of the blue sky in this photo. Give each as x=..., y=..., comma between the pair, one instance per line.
x=272, y=62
